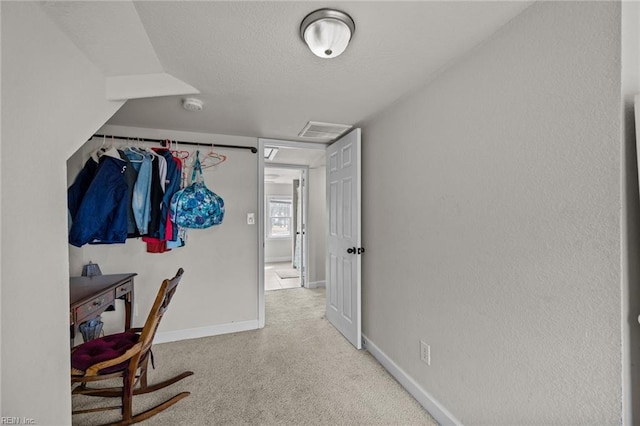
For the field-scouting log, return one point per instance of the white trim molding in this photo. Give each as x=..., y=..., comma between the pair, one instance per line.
x=277, y=259
x=437, y=410
x=213, y=330
x=317, y=284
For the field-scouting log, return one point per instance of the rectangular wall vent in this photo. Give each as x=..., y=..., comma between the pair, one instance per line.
x=324, y=131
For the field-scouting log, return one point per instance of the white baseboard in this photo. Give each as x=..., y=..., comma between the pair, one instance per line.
x=214, y=330
x=439, y=412
x=317, y=284
x=277, y=259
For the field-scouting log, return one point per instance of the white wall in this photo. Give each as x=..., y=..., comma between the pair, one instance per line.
x=277, y=249
x=492, y=224
x=220, y=285
x=52, y=101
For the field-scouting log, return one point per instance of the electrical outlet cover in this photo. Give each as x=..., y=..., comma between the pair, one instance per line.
x=425, y=353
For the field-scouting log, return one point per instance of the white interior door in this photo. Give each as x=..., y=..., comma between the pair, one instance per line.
x=302, y=218
x=343, y=242
x=300, y=246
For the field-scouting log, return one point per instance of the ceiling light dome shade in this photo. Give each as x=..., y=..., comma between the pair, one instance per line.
x=327, y=32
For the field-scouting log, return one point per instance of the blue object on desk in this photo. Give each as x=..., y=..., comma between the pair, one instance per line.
x=91, y=329
x=91, y=269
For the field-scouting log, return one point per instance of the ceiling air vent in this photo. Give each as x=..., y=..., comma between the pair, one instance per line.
x=324, y=131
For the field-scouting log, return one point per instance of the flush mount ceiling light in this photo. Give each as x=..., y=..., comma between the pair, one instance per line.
x=327, y=32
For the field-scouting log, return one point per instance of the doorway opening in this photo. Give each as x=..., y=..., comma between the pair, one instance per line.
x=285, y=223
x=339, y=259
x=292, y=217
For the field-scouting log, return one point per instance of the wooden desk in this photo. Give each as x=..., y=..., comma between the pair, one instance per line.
x=91, y=296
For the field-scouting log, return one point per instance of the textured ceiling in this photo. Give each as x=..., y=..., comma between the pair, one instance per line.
x=256, y=76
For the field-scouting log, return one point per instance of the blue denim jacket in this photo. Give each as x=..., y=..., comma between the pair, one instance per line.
x=79, y=188
x=102, y=214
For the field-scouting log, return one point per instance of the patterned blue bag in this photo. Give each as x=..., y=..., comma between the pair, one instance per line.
x=196, y=206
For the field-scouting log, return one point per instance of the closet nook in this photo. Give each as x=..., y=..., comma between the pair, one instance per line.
x=124, y=190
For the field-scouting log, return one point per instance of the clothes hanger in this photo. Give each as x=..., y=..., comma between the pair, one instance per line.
x=180, y=154
x=108, y=150
x=131, y=148
x=95, y=155
x=140, y=157
x=145, y=149
x=104, y=147
x=137, y=147
x=191, y=160
x=213, y=159
x=182, y=157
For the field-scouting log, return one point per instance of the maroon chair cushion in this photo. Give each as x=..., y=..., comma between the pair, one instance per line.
x=103, y=349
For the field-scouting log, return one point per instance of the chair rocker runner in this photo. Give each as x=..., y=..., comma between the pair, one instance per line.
x=125, y=355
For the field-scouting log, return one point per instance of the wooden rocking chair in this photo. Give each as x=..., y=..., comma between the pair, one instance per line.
x=125, y=355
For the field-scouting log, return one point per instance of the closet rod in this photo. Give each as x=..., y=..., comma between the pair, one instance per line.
x=163, y=142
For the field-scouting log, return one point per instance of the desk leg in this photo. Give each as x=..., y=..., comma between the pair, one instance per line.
x=128, y=307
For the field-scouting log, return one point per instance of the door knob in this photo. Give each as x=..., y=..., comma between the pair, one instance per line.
x=351, y=250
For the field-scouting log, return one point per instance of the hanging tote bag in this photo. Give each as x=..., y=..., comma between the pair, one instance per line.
x=196, y=206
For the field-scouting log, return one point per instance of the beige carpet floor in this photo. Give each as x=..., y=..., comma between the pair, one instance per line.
x=298, y=370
